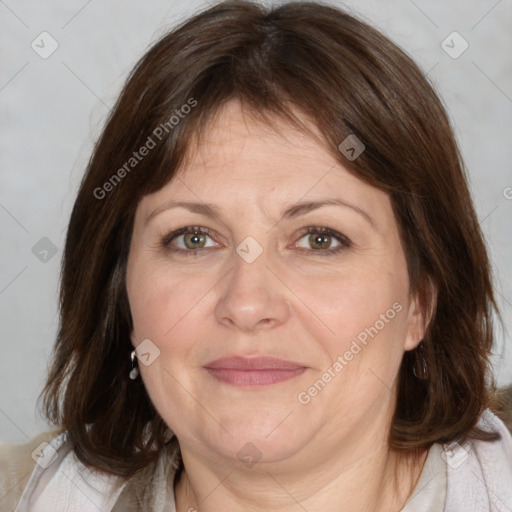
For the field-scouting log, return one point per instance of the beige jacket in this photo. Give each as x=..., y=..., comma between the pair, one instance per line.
x=16, y=466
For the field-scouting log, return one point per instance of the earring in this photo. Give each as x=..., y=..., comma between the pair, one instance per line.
x=420, y=368
x=134, y=372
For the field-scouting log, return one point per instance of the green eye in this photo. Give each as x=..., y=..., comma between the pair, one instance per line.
x=193, y=238
x=196, y=240
x=320, y=239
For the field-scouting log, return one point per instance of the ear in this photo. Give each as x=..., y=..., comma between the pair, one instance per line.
x=421, y=310
x=133, y=339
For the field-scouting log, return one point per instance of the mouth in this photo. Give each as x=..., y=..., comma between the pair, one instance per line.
x=253, y=371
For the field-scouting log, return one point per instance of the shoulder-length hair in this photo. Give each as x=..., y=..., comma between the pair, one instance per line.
x=348, y=79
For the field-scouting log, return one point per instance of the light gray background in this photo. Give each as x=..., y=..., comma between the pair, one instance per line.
x=52, y=110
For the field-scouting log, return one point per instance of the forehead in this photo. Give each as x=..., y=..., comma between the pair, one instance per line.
x=243, y=162
x=237, y=141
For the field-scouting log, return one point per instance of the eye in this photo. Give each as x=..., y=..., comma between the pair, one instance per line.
x=188, y=239
x=321, y=241
x=191, y=239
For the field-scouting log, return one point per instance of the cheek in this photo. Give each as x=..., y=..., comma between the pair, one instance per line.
x=148, y=305
x=168, y=308
x=365, y=311
x=153, y=298
x=357, y=301
x=369, y=321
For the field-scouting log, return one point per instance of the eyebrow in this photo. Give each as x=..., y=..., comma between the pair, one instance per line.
x=292, y=212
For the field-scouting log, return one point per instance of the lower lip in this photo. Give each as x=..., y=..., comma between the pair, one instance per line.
x=252, y=378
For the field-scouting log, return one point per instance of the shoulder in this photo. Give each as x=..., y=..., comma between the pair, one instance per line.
x=45, y=472
x=57, y=476
x=495, y=456
x=17, y=461
x=480, y=472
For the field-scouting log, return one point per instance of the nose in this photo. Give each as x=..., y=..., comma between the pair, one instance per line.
x=253, y=297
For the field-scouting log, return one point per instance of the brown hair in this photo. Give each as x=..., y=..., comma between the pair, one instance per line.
x=348, y=79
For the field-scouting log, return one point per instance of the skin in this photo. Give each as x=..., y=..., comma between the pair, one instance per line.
x=333, y=453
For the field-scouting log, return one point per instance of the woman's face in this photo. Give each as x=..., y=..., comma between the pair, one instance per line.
x=253, y=283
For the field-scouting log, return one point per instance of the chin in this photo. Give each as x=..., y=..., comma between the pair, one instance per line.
x=258, y=442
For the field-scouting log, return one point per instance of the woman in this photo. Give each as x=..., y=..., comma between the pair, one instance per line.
x=275, y=292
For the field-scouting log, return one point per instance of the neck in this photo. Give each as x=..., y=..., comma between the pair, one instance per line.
x=382, y=480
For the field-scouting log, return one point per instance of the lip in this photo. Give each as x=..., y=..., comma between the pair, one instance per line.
x=253, y=371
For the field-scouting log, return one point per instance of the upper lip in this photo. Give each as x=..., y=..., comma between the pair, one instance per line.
x=253, y=363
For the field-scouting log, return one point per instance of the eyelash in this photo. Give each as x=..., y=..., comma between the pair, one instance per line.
x=344, y=241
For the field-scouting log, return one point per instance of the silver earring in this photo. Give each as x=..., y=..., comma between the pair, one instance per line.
x=134, y=372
